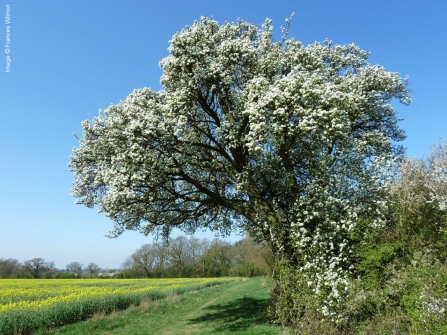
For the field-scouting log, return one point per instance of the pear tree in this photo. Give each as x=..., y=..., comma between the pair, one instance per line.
x=294, y=143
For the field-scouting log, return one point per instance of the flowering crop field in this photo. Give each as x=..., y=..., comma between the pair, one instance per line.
x=27, y=304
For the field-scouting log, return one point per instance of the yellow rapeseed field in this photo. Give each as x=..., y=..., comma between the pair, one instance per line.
x=52, y=302
x=19, y=294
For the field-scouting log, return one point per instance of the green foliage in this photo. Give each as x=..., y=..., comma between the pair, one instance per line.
x=293, y=303
x=373, y=256
x=421, y=288
x=417, y=204
x=391, y=292
x=397, y=293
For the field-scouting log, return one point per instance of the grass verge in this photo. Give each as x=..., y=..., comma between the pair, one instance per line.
x=231, y=308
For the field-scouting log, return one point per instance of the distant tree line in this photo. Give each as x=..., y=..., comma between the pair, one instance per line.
x=193, y=257
x=178, y=257
x=39, y=268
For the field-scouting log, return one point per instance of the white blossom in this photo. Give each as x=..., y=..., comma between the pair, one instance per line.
x=291, y=142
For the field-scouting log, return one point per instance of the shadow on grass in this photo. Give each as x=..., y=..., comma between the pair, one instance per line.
x=240, y=314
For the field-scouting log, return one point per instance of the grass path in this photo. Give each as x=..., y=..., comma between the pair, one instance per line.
x=233, y=308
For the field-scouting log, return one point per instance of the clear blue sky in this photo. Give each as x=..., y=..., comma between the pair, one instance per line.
x=71, y=58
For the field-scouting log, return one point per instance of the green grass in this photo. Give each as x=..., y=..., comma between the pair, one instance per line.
x=233, y=308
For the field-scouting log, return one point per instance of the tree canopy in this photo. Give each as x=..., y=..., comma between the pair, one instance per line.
x=292, y=142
